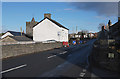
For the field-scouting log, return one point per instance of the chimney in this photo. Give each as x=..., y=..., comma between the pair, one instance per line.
x=48, y=15
x=109, y=23
x=118, y=19
x=103, y=28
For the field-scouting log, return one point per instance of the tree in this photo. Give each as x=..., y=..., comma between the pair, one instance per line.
x=100, y=25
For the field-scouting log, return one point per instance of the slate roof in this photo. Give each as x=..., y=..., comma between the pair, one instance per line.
x=114, y=24
x=115, y=29
x=21, y=38
x=16, y=33
x=53, y=22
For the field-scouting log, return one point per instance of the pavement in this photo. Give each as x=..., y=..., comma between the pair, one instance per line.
x=61, y=62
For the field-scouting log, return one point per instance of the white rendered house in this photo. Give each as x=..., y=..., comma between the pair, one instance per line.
x=12, y=33
x=48, y=29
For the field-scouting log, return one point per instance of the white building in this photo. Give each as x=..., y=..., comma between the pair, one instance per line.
x=91, y=35
x=12, y=33
x=48, y=29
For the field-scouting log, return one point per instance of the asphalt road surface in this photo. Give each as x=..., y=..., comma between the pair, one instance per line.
x=62, y=62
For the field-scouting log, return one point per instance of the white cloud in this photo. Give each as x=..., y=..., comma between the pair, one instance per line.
x=100, y=17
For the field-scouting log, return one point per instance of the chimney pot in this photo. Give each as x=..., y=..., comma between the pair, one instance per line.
x=48, y=15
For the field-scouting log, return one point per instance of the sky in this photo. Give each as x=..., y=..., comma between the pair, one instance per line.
x=60, y=0
x=84, y=15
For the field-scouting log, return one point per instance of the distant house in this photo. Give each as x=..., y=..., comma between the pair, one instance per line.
x=72, y=35
x=91, y=35
x=15, y=39
x=49, y=29
x=12, y=33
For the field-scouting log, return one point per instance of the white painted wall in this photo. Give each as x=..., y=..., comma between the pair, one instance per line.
x=85, y=36
x=6, y=34
x=91, y=35
x=47, y=30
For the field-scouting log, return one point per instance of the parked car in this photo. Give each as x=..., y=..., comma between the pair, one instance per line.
x=51, y=41
x=74, y=42
x=65, y=44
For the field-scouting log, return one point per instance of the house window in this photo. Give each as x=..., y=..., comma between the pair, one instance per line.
x=110, y=55
x=59, y=33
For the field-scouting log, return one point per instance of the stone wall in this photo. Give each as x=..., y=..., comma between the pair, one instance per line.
x=100, y=56
x=20, y=49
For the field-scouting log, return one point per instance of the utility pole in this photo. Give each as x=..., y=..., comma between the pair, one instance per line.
x=21, y=30
x=76, y=29
x=73, y=29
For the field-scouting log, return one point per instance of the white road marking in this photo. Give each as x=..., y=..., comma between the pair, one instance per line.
x=56, y=55
x=51, y=56
x=63, y=52
x=84, y=70
x=82, y=74
x=13, y=68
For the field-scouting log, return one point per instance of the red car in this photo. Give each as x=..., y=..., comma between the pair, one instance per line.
x=65, y=44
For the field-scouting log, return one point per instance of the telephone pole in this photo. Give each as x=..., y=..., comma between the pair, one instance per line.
x=21, y=30
x=76, y=29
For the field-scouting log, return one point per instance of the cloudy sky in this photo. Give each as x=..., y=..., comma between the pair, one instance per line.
x=84, y=15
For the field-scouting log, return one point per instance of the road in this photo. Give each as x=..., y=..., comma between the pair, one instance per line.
x=62, y=62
